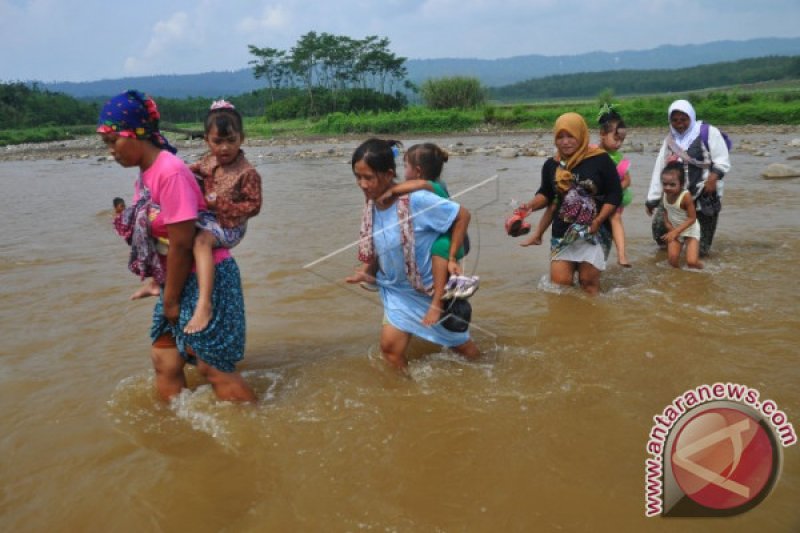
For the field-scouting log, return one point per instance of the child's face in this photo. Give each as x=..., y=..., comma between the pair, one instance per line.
x=224, y=147
x=613, y=140
x=119, y=208
x=670, y=183
x=411, y=172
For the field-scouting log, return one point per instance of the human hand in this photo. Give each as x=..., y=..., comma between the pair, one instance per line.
x=670, y=236
x=594, y=227
x=360, y=276
x=453, y=267
x=211, y=200
x=535, y=239
x=649, y=210
x=384, y=200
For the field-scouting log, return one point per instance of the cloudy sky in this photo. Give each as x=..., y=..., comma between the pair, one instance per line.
x=85, y=40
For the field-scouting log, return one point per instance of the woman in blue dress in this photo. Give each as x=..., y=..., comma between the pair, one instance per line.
x=397, y=239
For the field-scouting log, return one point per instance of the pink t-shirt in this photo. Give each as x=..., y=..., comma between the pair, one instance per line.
x=175, y=191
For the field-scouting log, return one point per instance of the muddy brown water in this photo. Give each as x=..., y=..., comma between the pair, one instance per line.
x=547, y=432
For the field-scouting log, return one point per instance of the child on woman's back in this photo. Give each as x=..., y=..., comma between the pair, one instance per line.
x=423, y=167
x=680, y=217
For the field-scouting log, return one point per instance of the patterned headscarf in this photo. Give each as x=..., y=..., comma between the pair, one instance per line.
x=134, y=115
x=575, y=125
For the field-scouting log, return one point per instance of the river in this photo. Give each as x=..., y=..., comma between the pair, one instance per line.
x=546, y=432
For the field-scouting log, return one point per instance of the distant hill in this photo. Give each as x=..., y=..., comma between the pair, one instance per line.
x=491, y=72
x=628, y=82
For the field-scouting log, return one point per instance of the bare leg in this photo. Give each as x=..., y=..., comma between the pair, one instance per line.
x=393, y=346
x=204, y=263
x=562, y=272
x=693, y=254
x=469, y=350
x=148, y=288
x=618, y=233
x=440, y=276
x=228, y=386
x=589, y=278
x=168, y=365
x=674, y=253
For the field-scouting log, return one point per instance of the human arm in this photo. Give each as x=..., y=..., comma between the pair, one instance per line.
x=625, y=182
x=364, y=273
x=458, y=232
x=654, y=193
x=687, y=204
x=546, y=193
x=179, y=264
x=544, y=222
x=720, y=159
x=406, y=187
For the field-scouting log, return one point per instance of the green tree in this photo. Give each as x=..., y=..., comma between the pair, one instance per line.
x=270, y=64
x=457, y=92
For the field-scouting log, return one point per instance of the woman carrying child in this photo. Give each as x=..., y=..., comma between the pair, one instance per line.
x=166, y=205
x=581, y=186
x=423, y=168
x=398, y=238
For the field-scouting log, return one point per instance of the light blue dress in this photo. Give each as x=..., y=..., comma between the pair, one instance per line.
x=404, y=307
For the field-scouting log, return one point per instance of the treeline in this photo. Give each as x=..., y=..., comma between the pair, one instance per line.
x=627, y=82
x=325, y=73
x=24, y=106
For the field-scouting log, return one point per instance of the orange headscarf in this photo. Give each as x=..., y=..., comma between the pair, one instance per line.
x=575, y=125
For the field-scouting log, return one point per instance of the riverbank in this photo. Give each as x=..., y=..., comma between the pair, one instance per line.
x=753, y=139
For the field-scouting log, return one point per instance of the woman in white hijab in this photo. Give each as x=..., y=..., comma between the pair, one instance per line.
x=704, y=152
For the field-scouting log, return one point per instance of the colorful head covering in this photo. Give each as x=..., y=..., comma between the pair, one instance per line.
x=575, y=125
x=685, y=139
x=135, y=115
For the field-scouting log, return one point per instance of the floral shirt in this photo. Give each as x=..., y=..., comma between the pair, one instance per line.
x=237, y=186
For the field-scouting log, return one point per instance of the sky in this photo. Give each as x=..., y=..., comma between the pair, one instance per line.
x=87, y=40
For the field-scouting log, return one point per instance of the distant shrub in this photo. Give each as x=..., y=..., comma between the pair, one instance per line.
x=458, y=92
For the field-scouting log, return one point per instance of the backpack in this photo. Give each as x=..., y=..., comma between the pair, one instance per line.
x=704, y=136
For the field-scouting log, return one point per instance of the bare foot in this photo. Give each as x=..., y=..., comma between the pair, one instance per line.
x=535, y=239
x=149, y=288
x=199, y=320
x=433, y=315
x=623, y=262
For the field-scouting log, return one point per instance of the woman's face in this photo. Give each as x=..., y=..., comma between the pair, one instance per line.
x=679, y=121
x=372, y=183
x=566, y=144
x=125, y=150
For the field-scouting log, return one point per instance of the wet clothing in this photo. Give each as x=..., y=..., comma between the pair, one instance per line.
x=595, y=182
x=441, y=246
x=678, y=216
x=405, y=306
x=221, y=343
x=698, y=160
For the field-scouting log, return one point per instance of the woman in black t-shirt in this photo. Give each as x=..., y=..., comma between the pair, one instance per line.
x=581, y=189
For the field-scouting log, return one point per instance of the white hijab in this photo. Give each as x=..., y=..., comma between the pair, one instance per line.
x=685, y=139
